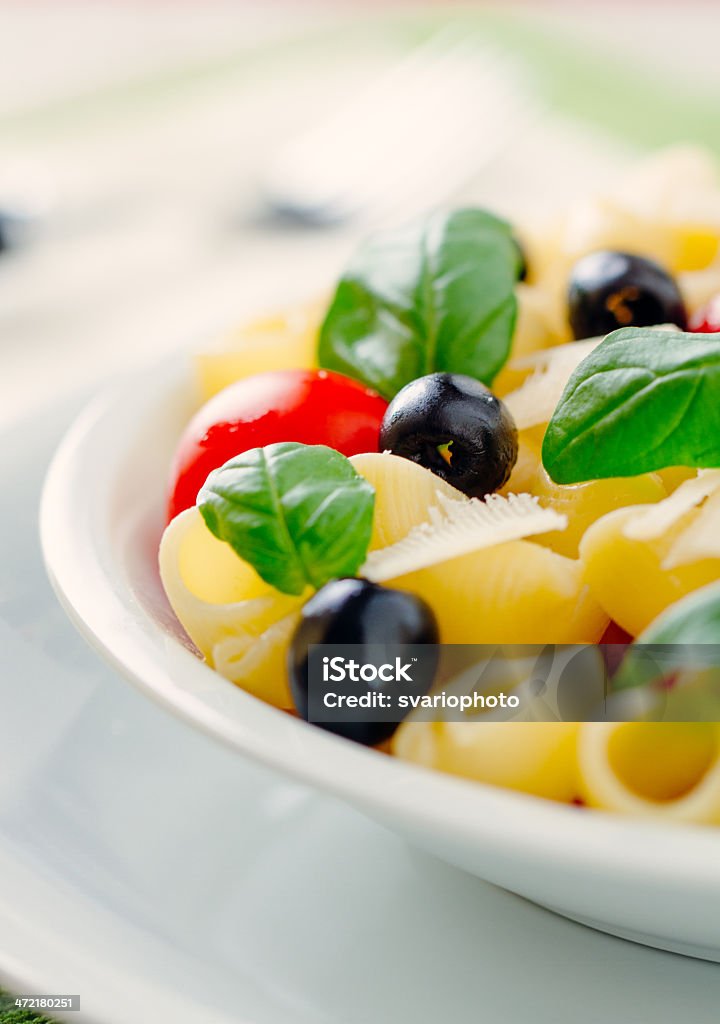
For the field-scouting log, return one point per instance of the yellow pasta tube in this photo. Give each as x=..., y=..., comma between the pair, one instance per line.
x=239, y=623
x=669, y=770
x=534, y=757
x=516, y=592
x=626, y=573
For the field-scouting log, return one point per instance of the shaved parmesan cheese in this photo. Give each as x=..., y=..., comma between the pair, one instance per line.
x=460, y=527
x=701, y=540
x=534, y=402
x=655, y=520
x=558, y=357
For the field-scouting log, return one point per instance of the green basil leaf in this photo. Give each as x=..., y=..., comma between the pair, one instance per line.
x=675, y=640
x=299, y=514
x=644, y=399
x=437, y=294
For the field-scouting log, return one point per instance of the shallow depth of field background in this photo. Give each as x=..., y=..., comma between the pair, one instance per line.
x=135, y=141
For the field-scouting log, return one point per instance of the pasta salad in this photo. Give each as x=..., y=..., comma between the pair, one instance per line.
x=489, y=434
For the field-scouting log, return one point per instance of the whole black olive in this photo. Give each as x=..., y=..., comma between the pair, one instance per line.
x=609, y=290
x=366, y=616
x=456, y=427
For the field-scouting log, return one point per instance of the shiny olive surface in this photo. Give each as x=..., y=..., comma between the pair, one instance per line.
x=456, y=427
x=609, y=290
x=364, y=615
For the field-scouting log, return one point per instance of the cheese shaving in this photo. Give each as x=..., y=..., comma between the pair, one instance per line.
x=459, y=528
x=556, y=357
x=534, y=402
x=655, y=520
x=701, y=540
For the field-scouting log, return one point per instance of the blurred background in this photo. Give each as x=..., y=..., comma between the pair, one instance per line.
x=168, y=168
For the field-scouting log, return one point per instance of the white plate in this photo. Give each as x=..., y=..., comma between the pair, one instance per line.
x=101, y=521
x=164, y=878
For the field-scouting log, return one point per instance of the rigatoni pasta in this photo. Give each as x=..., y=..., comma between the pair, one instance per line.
x=665, y=770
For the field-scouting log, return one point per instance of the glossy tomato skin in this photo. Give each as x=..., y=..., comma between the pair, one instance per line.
x=309, y=406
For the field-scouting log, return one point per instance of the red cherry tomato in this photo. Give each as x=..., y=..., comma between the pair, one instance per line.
x=707, y=320
x=309, y=406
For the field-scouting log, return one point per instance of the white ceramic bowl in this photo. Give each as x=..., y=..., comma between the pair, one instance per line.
x=101, y=520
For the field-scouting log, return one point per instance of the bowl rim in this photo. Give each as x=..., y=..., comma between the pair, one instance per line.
x=108, y=615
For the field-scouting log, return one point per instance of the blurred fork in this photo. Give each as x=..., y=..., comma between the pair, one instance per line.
x=416, y=135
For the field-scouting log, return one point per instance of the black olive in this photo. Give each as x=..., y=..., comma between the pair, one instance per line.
x=609, y=290
x=365, y=615
x=456, y=427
